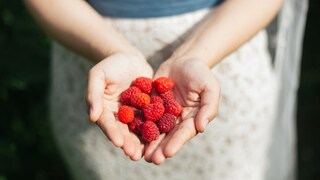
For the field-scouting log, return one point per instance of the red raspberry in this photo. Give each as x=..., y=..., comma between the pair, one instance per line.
x=156, y=99
x=150, y=131
x=125, y=114
x=167, y=96
x=139, y=100
x=137, y=112
x=144, y=84
x=163, y=84
x=166, y=122
x=136, y=125
x=173, y=107
x=153, y=112
x=125, y=95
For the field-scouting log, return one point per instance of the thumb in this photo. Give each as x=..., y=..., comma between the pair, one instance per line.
x=95, y=91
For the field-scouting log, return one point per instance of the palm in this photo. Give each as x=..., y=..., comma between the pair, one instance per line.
x=198, y=92
x=112, y=76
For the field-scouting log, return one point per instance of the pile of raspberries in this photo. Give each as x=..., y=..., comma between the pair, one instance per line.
x=149, y=107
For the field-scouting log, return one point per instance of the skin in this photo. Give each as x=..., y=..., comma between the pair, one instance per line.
x=198, y=92
x=229, y=26
x=107, y=80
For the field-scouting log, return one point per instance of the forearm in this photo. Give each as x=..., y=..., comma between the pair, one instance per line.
x=229, y=26
x=79, y=27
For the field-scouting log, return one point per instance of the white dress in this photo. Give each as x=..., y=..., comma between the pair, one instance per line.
x=236, y=145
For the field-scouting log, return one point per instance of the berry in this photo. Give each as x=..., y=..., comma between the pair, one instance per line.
x=125, y=114
x=173, y=107
x=125, y=95
x=136, y=125
x=153, y=112
x=150, y=131
x=163, y=84
x=166, y=122
x=139, y=100
x=156, y=99
x=144, y=84
x=167, y=96
x=137, y=112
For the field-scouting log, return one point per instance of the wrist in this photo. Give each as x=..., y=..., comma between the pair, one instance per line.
x=132, y=53
x=111, y=43
x=176, y=63
x=188, y=52
x=182, y=58
x=126, y=51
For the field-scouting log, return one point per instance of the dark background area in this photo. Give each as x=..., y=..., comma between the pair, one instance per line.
x=27, y=147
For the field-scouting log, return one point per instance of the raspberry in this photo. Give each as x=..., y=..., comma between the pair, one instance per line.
x=153, y=112
x=148, y=116
x=173, y=107
x=150, y=131
x=163, y=84
x=144, y=84
x=125, y=114
x=125, y=95
x=156, y=99
x=139, y=100
x=136, y=125
x=167, y=96
x=137, y=112
x=166, y=122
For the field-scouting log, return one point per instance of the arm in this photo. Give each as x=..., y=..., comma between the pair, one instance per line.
x=229, y=26
x=79, y=27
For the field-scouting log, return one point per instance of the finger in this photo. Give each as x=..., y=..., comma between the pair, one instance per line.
x=158, y=156
x=131, y=143
x=186, y=130
x=151, y=147
x=95, y=91
x=139, y=153
x=210, y=98
x=132, y=146
x=109, y=126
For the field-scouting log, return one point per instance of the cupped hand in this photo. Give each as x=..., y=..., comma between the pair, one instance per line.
x=198, y=91
x=106, y=81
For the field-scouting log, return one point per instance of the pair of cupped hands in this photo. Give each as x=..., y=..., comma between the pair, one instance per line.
x=196, y=89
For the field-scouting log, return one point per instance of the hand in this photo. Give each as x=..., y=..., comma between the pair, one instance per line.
x=198, y=91
x=106, y=81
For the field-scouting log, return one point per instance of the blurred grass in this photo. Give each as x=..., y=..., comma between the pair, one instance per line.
x=27, y=148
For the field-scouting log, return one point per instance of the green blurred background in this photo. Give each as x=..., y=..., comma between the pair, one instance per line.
x=27, y=148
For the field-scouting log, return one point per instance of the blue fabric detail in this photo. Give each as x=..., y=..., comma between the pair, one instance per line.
x=149, y=8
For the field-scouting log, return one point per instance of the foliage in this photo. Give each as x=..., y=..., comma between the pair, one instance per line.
x=308, y=123
x=27, y=148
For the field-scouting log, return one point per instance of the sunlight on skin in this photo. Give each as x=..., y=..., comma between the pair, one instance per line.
x=195, y=89
x=198, y=91
x=106, y=81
